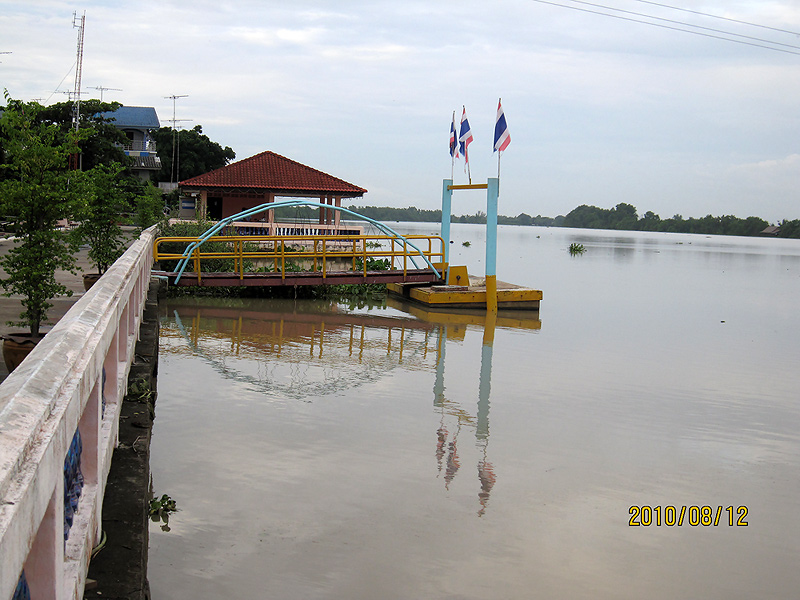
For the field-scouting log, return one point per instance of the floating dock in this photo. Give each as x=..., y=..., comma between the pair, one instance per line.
x=459, y=319
x=471, y=296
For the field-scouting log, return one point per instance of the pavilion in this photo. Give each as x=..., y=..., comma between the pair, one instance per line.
x=259, y=180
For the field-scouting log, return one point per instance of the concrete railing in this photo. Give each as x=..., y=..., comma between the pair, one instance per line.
x=66, y=394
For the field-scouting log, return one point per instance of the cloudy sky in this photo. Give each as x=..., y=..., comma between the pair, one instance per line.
x=601, y=110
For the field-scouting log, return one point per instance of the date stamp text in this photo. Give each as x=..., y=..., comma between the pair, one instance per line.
x=694, y=516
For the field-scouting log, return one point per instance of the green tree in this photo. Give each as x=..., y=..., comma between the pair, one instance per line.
x=589, y=217
x=650, y=221
x=39, y=191
x=524, y=219
x=103, y=141
x=149, y=206
x=104, y=200
x=789, y=229
x=198, y=154
x=623, y=216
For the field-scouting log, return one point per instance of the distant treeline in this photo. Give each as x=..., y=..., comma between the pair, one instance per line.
x=622, y=217
x=413, y=214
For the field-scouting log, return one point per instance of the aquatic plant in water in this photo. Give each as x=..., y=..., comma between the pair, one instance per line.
x=576, y=248
x=160, y=509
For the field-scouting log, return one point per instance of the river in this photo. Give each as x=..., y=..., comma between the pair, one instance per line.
x=330, y=450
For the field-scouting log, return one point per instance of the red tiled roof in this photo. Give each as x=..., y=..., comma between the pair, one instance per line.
x=270, y=171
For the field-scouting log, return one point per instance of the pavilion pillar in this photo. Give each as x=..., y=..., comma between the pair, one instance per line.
x=271, y=213
x=201, y=208
x=322, y=211
x=337, y=215
x=330, y=211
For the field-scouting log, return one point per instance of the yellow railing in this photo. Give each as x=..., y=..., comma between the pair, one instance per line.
x=316, y=252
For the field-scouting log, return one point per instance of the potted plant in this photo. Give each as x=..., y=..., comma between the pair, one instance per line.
x=37, y=187
x=99, y=227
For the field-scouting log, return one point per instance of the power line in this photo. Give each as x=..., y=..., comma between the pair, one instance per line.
x=630, y=12
x=702, y=14
x=57, y=91
x=708, y=35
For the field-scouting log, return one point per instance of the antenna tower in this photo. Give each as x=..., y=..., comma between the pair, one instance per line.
x=176, y=140
x=76, y=107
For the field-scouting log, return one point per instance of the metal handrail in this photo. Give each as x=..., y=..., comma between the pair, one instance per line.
x=216, y=228
x=319, y=249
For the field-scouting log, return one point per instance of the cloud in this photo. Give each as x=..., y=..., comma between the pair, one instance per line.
x=599, y=110
x=269, y=37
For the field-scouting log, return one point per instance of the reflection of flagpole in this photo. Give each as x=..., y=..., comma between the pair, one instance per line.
x=486, y=474
x=485, y=383
x=438, y=383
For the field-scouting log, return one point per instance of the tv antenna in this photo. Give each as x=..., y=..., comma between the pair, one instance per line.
x=176, y=140
x=105, y=89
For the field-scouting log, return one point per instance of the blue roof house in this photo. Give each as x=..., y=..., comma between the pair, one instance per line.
x=136, y=122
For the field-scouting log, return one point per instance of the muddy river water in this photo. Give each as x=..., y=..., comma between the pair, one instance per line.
x=639, y=437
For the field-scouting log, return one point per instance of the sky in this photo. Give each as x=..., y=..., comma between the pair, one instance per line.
x=601, y=110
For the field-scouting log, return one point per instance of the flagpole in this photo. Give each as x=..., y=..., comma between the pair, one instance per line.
x=501, y=137
x=465, y=139
x=455, y=145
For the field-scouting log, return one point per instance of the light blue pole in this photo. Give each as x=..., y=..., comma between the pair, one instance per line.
x=447, y=200
x=492, y=193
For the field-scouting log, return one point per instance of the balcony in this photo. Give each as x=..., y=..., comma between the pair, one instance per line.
x=139, y=148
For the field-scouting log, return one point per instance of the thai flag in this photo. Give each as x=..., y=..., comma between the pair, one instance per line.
x=501, y=137
x=465, y=138
x=453, y=141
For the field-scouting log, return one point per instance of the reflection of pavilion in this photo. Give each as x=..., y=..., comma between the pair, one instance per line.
x=318, y=353
x=325, y=351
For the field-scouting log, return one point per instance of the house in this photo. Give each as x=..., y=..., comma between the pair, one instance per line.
x=260, y=179
x=136, y=122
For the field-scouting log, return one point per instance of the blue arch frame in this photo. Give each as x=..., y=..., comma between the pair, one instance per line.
x=288, y=203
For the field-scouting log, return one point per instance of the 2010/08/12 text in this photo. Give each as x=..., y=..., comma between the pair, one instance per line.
x=671, y=516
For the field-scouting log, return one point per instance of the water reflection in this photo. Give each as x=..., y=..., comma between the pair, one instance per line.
x=632, y=393
x=297, y=355
x=304, y=355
